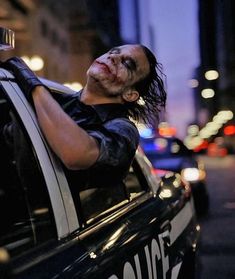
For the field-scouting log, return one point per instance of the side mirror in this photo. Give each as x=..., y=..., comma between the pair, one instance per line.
x=173, y=187
x=7, y=39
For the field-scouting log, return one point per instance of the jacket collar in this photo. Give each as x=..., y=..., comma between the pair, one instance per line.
x=107, y=111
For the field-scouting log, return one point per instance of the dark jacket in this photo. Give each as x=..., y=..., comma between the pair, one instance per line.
x=116, y=135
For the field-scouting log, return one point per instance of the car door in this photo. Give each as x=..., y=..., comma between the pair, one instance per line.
x=111, y=229
x=139, y=236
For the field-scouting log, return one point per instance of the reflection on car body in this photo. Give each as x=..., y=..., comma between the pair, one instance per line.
x=146, y=228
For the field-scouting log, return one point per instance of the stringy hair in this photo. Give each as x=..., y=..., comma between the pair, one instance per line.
x=152, y=93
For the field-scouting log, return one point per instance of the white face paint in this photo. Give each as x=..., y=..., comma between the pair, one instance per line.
x=118, y=69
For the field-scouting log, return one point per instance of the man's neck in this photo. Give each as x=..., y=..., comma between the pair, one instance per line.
x=89, y=97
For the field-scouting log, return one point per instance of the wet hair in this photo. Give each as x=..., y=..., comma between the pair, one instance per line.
x=152, y=93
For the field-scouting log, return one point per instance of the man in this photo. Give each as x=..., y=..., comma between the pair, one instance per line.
x=91, y=130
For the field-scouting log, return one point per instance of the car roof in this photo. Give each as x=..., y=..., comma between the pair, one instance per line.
x=53, y=85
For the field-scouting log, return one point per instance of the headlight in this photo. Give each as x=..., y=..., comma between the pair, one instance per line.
x=192, y=174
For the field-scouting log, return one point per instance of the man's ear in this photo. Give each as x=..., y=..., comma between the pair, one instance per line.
x=130, y=95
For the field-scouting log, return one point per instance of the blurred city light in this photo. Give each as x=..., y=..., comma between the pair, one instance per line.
x=26, y=60
x=225, y=114
x=76, y=86
x=229, y=130
x=193, y=83
x=191, y=174
x=165, y=130
x=35, y=63
x=208, y=93
x=146, y=132
x=196, y=137
x=193, y=130
x=211, y=75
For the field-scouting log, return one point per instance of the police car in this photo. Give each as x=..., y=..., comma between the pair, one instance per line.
x=145, y=229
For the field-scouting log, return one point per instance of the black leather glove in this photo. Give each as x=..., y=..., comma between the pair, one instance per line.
x=26, y=78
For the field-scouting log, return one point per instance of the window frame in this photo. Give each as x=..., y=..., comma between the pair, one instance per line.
x=150, y=187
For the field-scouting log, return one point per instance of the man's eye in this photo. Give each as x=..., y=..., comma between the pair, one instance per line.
x=127, y=64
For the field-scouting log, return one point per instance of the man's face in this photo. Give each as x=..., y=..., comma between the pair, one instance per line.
x=118, y=69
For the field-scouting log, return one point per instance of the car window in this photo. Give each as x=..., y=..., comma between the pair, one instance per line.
x=99, y=201
x=25, y=210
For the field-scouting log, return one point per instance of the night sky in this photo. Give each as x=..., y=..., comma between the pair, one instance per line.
x=178, y=50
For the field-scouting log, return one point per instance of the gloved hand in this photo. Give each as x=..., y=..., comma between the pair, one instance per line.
x=27, y=80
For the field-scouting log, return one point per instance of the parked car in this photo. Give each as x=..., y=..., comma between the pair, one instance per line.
x=170, y=153
x=146, y=228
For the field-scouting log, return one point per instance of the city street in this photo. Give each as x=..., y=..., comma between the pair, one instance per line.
x=217, y=242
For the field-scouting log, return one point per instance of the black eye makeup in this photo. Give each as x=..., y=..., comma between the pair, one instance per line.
x=129, y=63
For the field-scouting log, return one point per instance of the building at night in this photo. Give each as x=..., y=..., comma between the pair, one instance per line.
x=214, y=90
x=67, y=35
x=216, y=73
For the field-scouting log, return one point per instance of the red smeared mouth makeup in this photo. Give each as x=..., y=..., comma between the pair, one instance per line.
x=105, y=66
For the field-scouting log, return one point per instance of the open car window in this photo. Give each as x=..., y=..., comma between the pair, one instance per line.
x=97, y=202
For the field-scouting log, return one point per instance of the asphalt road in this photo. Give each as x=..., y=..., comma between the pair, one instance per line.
x=216, y=249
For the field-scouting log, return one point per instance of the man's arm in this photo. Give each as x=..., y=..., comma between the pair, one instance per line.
x=72, y=144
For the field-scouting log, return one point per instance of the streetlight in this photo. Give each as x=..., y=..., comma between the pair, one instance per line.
x=76, y=86
x=208, y=93
x=211, y=75
x=35, y=63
